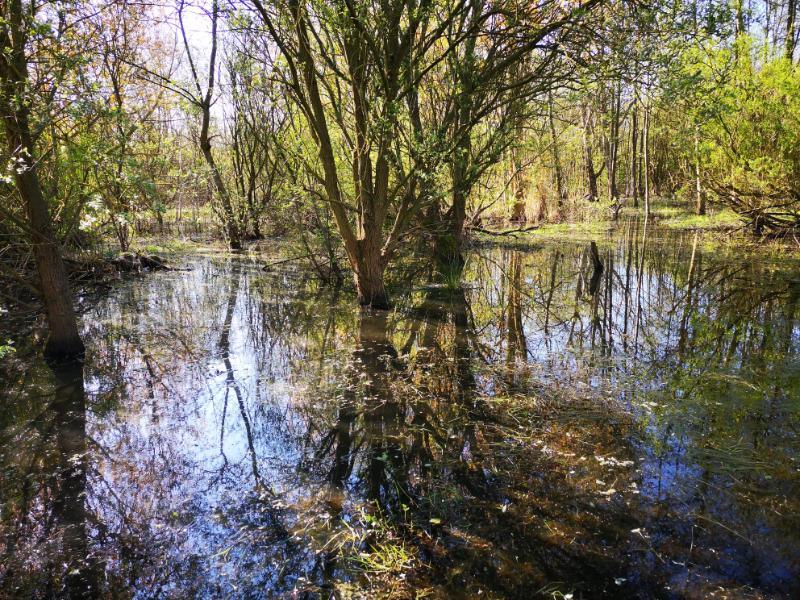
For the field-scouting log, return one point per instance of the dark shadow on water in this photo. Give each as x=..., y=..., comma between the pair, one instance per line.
x=47, y=516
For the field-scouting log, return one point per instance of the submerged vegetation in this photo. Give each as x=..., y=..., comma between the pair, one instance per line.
x=399, y=298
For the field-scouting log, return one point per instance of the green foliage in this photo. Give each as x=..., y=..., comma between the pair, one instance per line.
x=745, y=110
x=7, y=349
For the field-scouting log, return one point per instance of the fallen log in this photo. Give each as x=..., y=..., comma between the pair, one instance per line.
x=504, y=232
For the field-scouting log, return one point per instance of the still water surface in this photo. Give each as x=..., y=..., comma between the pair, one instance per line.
x=546, y=429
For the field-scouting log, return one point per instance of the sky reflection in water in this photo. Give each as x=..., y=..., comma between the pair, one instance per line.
x=240, y=433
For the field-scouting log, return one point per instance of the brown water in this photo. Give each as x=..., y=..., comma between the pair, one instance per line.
x=543, y=430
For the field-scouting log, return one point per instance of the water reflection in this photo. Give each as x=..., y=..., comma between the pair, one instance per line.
x=46, y=521
x=613, y=419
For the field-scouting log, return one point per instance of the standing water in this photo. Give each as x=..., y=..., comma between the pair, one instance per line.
x=548, y=428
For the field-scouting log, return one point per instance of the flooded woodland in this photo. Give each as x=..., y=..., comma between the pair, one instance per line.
x=399, y=299
x=546, y=428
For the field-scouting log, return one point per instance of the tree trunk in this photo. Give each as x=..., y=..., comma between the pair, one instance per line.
x=232, y=229
x=640, y=164
x=588, y=151
x=613, y=145
x=447, y=246
x=700, y=196
x=251, y=207
x=541, y=208
x=458, y=217
x=450, y=236
x=369, y=277
x=791, y=15
x=518, y=179
x=646, y=156
x=560, y=189
x=204, y=104
x=741, y=28
x=64, y=339
x=462, y=150
x=635, y=158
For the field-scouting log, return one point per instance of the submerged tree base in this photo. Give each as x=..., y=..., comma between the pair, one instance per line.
x=371, y=293
x=59, y=349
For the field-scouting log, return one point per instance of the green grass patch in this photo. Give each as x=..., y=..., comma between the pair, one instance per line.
x=722, y=219
x=165, y=246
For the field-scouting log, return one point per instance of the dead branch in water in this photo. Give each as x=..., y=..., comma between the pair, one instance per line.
x=506, y=232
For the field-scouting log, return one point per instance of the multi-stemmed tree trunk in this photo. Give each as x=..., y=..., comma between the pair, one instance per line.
x=493, y=76
x=368, y=247
x=64, y=339
x=366, y=171
x=353, y=77
x=449, y=242
x=229, y=217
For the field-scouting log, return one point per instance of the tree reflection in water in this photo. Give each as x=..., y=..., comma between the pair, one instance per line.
x=46, y=520
x=551, y=427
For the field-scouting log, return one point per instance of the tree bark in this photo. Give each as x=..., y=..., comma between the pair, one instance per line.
x=518, y=179
x=791, y=16
x=232, y=229
x=700, y=197
x=64, y=339
x=588, y=151
x=369, y=279
x=560, y=189
x=635, y=158
x=613, y=145
x=646, y=157
x=234, y=237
